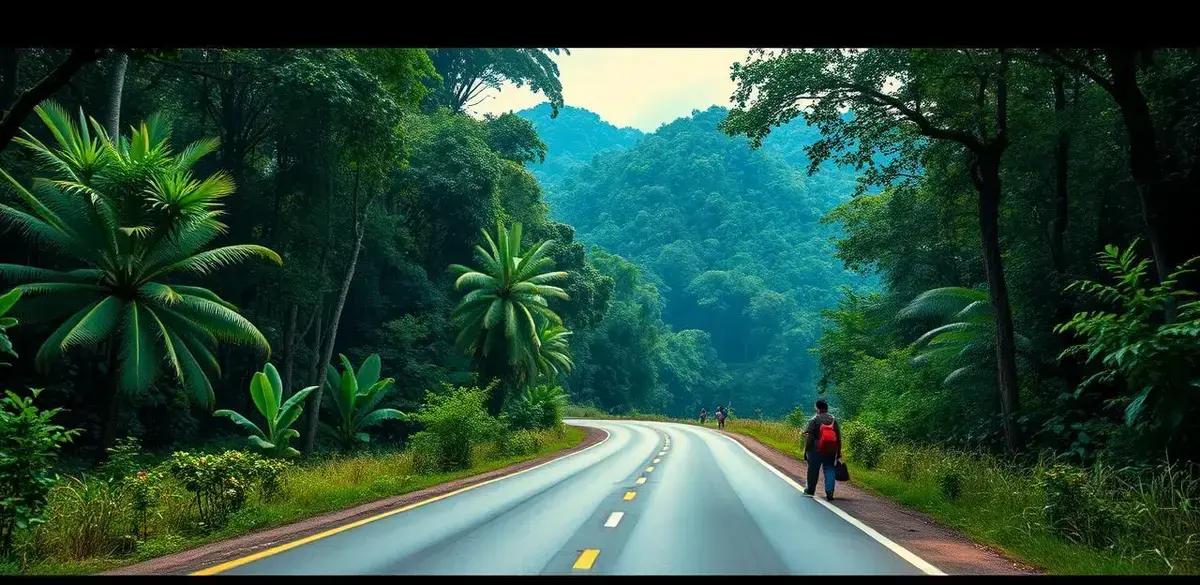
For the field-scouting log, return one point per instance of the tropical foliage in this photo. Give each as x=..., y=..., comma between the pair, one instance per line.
x=356, y=397
x=29, y=444
x=7, y=300
x=505, y=315
x=1132, y=343
x=266, y=391
x=130, y=213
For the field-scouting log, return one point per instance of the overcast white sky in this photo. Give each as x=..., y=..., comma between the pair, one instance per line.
x=642, y=88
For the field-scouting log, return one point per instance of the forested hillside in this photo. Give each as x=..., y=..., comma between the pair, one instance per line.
x=731, y=239
x=574, y=136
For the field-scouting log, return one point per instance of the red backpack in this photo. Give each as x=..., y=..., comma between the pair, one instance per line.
x=827, y=440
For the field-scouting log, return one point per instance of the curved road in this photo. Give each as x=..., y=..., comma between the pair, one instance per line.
x=652, y=498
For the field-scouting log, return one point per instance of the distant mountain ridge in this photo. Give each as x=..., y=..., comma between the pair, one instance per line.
x=574, y=137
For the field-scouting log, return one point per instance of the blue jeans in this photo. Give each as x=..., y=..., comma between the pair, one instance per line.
x=816, y=462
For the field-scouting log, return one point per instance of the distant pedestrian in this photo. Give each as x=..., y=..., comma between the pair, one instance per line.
x=703, y=415
x=822, y=449
x=721, y=417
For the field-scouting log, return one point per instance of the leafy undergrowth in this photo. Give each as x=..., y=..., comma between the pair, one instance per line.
x=307, y=490
x=1000, y=504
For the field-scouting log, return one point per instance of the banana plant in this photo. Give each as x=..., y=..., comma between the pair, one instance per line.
x=7, y=300
x=266, y=390
x=354, y=397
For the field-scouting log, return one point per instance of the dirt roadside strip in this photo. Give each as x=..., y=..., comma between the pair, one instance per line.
x=944, y=547
x=182, y=563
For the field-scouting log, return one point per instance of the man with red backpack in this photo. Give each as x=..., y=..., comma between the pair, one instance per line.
x=822, y=448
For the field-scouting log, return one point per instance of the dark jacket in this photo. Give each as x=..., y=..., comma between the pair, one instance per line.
x=814, y=428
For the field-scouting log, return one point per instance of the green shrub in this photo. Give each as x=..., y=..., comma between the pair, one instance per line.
x=519, y=443
x=538, y=407
x=523, y=414
x=950, y=481
x=864, y=444
x=269, y=473
x=220, y=483
x=142, y=488
x=1075, y=509
x=29, y=444
x=583, y=411
x=426, y=451
x=908, y=464
x=796, y=418
x=124, y=459
x=459, y=419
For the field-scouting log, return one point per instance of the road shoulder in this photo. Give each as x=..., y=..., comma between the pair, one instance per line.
x=185, y=562
x=944, y=547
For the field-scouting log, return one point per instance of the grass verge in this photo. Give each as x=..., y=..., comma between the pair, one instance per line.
x=998, y=504
x=308, y=490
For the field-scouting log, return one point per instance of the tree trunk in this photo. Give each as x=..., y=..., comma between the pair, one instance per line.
x=1143, y=154
x=988, y=185
x=289, y=349
x=314, y=368
x=327, y=354
x=108, y=427
x=1061, y=159
x=116, y=88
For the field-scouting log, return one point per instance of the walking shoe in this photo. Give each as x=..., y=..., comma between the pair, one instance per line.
x=829, y=497
x=810, y=494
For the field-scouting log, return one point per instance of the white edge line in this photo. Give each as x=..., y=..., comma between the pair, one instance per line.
x=904, y=553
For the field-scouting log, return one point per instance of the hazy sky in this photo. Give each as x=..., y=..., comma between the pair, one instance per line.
x=643, y=88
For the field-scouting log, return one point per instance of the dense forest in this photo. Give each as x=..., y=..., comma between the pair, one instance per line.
x=983, y=249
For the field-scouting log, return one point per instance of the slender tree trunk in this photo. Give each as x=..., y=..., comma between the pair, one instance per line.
x=111, y=389
x=294, y=340
x=988, y=184
x=289, y=349
x=116, y=89
x=327, y=354
x=1061, y=160
x=314, y=367
x=1143, y=155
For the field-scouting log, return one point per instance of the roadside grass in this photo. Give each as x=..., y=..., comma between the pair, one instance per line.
x=1001, y=505
x=308, y=489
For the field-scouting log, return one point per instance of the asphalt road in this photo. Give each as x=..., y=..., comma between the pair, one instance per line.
x=652, y=498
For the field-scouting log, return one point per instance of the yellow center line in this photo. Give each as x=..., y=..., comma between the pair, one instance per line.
x=630, y=496
x=649, y=469
x=213, y=570
x=587, y=558
x=640, y=480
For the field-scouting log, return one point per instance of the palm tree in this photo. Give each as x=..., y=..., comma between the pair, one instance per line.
x=130, y=214
x=553, y=357
x=501, y=316
x=964, y=343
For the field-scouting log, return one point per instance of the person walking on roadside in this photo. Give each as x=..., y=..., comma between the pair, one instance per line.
x=721, y=417
x=822, y=449
x=703, y=415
